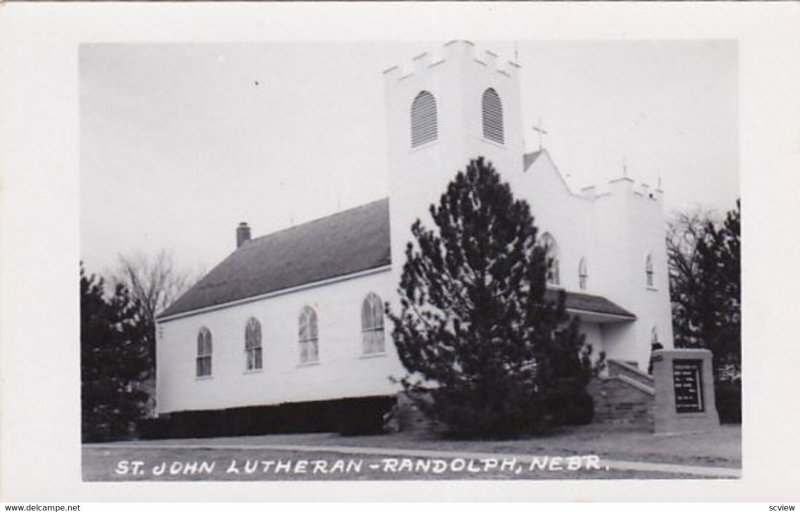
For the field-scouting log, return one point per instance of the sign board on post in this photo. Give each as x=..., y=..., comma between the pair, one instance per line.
x=687, y=379
x=684, y=386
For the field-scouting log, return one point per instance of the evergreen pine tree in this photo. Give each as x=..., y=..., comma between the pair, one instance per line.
x=489, y=351
x=113, y=361
x=719, y=317
x=705, y=286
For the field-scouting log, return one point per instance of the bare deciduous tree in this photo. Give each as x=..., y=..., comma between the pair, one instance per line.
x=155, y=282
x=704, y=264
x=684, y=231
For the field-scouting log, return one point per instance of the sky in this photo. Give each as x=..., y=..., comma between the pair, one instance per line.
x=181, y=142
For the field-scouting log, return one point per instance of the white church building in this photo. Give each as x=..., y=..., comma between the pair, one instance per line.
x=296, y=315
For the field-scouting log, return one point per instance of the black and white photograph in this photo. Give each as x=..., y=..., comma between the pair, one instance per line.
x=497, y=256
x=552, y=317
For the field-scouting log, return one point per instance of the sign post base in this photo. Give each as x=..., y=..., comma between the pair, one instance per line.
x=684, y=385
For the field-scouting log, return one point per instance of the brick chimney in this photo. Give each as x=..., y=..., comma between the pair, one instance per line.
x=242, y=234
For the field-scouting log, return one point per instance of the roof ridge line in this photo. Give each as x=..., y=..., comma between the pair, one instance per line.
x=312, y=221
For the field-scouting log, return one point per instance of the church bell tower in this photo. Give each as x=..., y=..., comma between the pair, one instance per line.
x=441, y=114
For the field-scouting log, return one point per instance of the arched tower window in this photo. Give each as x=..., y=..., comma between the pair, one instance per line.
x=648, y=271
x=424, y=126
x=203, y=352
x=307, y=336
x=492, y=116
x=252, y=344
x=553, y=272
x=583, y=274
x=372, y=325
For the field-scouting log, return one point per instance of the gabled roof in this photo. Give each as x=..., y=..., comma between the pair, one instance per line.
x=344, y=243
x=529, y=158
x=583, y=302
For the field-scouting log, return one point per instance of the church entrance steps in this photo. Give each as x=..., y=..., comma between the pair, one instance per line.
x=621, y=368
x=523, y=458
x=624, y=396
x=636, y=384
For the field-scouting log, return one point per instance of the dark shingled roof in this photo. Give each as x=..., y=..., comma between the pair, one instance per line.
x=346, y=242
x=590, y=303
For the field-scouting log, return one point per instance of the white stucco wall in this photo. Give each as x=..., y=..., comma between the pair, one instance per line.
x=457, y=77
x=613, y=230
x=342, y=371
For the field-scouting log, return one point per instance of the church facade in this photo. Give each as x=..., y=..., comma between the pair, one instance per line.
x=297, y=316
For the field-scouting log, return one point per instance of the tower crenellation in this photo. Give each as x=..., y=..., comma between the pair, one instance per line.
x=444, y=108
x=453, y=50
x=627, y=185
x=421, y=62
x=489, y=59
x=393, y=73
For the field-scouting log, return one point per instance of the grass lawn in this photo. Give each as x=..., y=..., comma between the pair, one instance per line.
x=722, y=448
x=102, y=462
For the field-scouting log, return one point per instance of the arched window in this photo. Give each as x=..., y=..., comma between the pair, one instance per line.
x=424, y=127
x=583, y=274
x=372, y=325
x=203, y=352
x=648, y=271
x=307, y=336
x=492, y=116
x=654, y=337
x=252, y=344
x=553, y=272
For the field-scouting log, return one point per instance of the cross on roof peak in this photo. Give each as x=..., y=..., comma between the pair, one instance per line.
x=539, y=128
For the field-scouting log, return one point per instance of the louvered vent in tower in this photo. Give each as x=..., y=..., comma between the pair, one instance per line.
x=423, y=119
x=492, y=116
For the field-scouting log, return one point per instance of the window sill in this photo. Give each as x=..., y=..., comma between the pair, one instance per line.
x=494, y=143
x=652, y=288
x=424, y=145
x=372, y=355
x=204, y=377
x=309, y=363
x=255, y=370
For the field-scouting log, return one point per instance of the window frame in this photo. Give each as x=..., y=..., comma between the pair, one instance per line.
x=654, y=335
x=583, y=275
x=649, y=272
x=552, y=252
x=204, y=353
x=492, y=104
x=253, y=345
x=373, y=326
x=424, y=118
x=308, y=336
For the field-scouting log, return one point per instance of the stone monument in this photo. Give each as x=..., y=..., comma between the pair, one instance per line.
x=684, y=391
